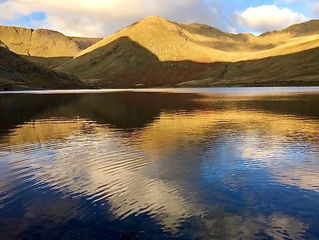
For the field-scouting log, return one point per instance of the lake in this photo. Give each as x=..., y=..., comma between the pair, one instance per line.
x=225, y=163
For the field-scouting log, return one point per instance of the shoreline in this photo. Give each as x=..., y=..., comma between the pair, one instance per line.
x=217, y=90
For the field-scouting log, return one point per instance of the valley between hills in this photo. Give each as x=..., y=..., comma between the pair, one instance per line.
x=155, y=52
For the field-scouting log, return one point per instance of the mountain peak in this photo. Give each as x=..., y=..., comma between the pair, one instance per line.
x=42, y=42
x=150, y=20
x=154, y=18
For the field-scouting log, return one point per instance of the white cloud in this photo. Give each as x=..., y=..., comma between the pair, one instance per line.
x=268, y=17
x=101, y=17
x=289, y=1
x=316, y=8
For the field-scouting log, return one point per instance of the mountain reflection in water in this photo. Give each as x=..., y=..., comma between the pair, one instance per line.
x=159, y=165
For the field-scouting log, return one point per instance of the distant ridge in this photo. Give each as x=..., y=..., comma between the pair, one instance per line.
x=85, y=42
x=42, y=42
x=301, y=29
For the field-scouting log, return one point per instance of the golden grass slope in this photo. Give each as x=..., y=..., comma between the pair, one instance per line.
x=42, y=42
x=171, y=41
x=166, y=40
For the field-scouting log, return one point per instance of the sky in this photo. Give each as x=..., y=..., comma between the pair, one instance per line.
x=99, y=18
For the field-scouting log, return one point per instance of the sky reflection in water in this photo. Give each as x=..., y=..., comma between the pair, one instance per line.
x=159, y=165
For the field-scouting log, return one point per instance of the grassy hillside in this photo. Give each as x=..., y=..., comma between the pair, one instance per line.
x=18, y=73
x=42, y=42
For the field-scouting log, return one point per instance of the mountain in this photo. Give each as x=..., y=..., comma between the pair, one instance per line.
x=42, y=42
x=158, y=52
x=18, y=73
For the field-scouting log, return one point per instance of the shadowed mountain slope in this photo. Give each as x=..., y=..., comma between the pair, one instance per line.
x=48, y=62
x=18, y=73
x=42, y=42
x=124, y=63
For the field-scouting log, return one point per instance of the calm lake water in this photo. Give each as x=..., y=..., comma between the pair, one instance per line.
x=160, y=164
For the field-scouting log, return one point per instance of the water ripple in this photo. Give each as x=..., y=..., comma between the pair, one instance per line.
x=225, y=169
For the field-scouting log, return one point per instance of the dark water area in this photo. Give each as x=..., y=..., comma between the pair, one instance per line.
x=182, y=164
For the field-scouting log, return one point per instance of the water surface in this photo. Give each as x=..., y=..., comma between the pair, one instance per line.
x=160, y=164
